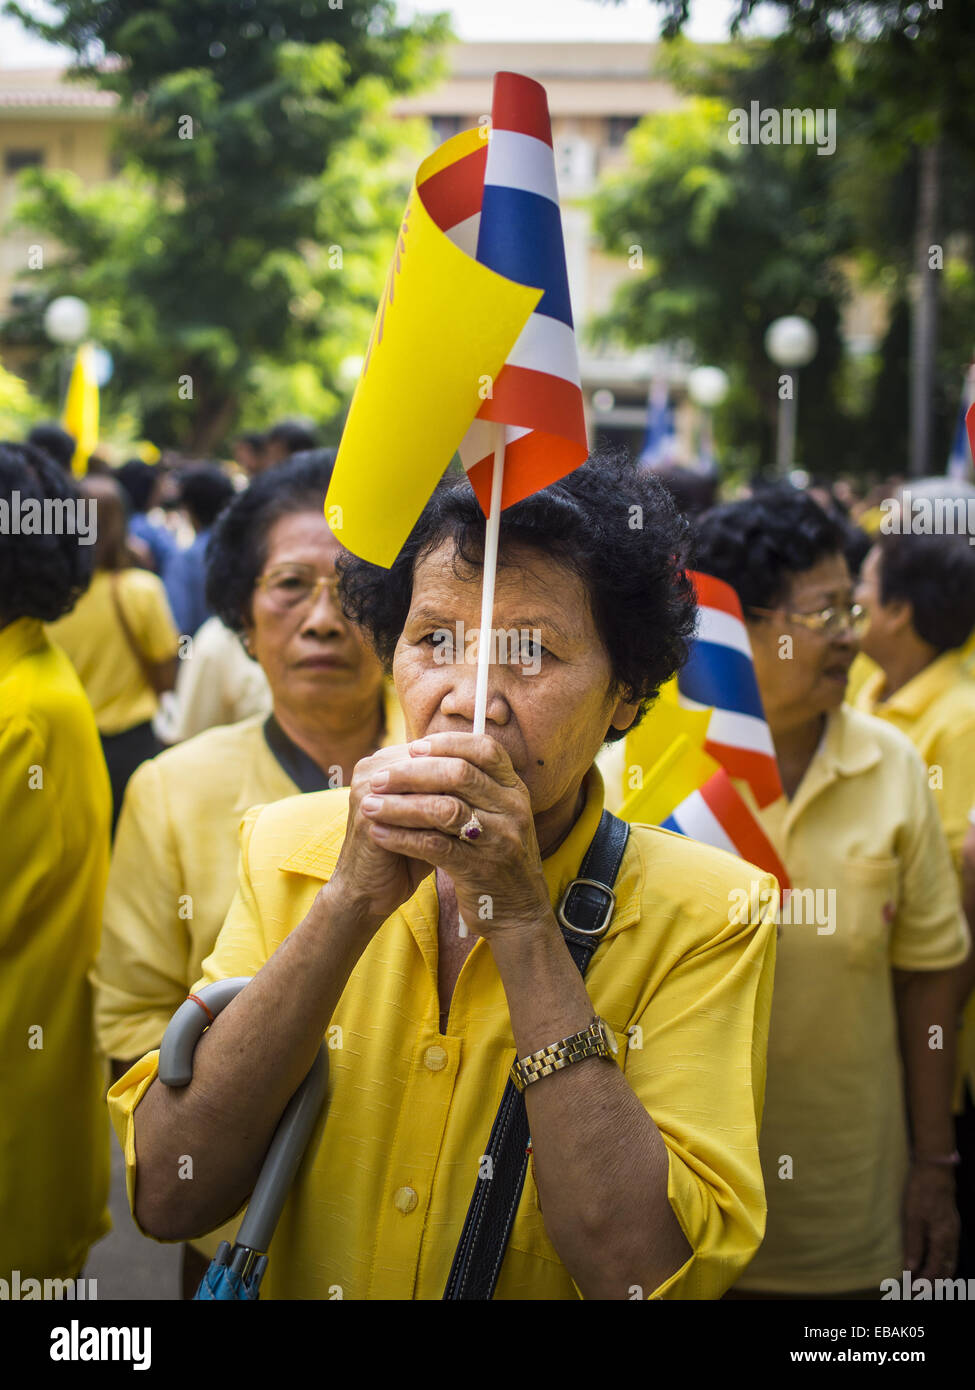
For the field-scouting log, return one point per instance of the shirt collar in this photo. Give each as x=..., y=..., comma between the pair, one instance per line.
x=294, y=761
x=261, y=771
x=847, y=748
x=254, y=788
x=17, y=639
x=922, y=690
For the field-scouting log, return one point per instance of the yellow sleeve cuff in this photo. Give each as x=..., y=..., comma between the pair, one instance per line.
x=123, y=1098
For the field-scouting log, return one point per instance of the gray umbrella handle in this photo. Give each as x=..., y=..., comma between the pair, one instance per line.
x=186, y=1027
x=294, y=1128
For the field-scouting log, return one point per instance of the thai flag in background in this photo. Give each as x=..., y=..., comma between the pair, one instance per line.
x=661, y=435
x=719, y=675
x=716, y=815
x=518, y=229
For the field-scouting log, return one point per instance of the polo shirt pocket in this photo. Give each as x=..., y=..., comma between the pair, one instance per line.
x=868, y=896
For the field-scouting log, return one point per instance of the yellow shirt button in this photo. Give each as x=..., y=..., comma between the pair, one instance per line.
x=405, y=1199
x=435, y=1058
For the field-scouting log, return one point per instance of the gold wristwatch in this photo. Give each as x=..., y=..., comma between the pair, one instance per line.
x=598, y=1040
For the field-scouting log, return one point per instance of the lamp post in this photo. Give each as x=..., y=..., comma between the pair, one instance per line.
x=707, y=388
x=791, y=343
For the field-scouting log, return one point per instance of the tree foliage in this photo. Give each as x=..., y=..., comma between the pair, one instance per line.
x=242, y=247
x=735, y=235
x=900, y=77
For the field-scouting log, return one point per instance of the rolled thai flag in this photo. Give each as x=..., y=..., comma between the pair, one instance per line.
x=716, y=815
x=537, y=394
x=719, y=675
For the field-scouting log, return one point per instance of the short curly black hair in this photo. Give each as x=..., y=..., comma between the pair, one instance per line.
x=756, y=545
x=936, y=575
x=613, y=525
x=237, y=549
x=41, y=575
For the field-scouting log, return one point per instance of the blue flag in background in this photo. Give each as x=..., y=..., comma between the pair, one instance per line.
x=661, y=436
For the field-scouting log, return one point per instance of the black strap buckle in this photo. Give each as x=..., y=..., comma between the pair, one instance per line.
x=607, y=915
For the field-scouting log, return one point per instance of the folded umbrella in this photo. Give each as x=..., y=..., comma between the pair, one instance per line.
x=236, y=1274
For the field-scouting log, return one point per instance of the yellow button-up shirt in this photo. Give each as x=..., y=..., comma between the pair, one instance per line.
x=174, y=872
x=376, y=1213
x=173, y=877
x=937, y=712
x=55, y=811
x=873, y=891
x=936, y=709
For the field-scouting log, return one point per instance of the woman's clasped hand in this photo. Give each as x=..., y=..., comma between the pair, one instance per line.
x=407, y=807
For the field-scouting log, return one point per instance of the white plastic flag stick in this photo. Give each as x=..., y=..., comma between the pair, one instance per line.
x=492, y=532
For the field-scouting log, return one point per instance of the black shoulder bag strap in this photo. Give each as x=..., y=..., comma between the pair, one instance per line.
x=584, y=915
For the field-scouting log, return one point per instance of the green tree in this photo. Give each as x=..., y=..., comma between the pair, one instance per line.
x=910, y=85
x=237, y=258
x=733, y=236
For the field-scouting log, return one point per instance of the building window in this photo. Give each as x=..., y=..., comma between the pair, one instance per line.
x=15, y=160
x=446, y=126
x=574, y=164
x=619, y=128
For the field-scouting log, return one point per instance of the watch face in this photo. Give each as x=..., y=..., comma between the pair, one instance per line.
x=609, y=1037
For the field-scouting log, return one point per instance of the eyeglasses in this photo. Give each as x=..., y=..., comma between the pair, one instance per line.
x=828, y=621
x=297, y=586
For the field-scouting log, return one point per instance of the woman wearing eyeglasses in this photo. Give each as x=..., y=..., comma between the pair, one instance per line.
x=271, y=578
x=857, y=1141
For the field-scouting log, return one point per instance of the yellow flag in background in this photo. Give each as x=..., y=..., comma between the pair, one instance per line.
x=444, y=328
x=668, y=749
x=81, y=408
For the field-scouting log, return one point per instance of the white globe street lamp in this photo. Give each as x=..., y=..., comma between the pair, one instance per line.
x=790, y=342
x=707, y=388
x=66, y=320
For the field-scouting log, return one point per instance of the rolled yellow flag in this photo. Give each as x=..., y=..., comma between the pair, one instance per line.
x=444, y=327
x=81, y=408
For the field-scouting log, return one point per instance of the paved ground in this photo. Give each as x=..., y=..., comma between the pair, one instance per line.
x=125, y=1263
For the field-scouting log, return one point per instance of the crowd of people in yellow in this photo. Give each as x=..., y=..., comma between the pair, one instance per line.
x=275, y=787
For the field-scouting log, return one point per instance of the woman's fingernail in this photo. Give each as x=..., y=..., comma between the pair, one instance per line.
x=380, y=780
x=421, y=746
x=372, y=804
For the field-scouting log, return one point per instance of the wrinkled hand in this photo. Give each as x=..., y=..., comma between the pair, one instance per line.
x=419, y=803
x=369, y=876
x=931, y=1223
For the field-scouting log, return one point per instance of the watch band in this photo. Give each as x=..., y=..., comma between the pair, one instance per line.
x=589, y=1042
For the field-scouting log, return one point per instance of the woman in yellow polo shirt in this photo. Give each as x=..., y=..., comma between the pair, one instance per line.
x=123, y=643
x=434, y=959
x=871, y=937
x=919, y=595
x=55, y=807
x=271, y=577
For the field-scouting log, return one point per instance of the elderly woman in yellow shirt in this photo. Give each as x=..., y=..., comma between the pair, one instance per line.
x=437, y=960
x=55, y=808
x=271, y=576
x=919, y=595
x=864, y=975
